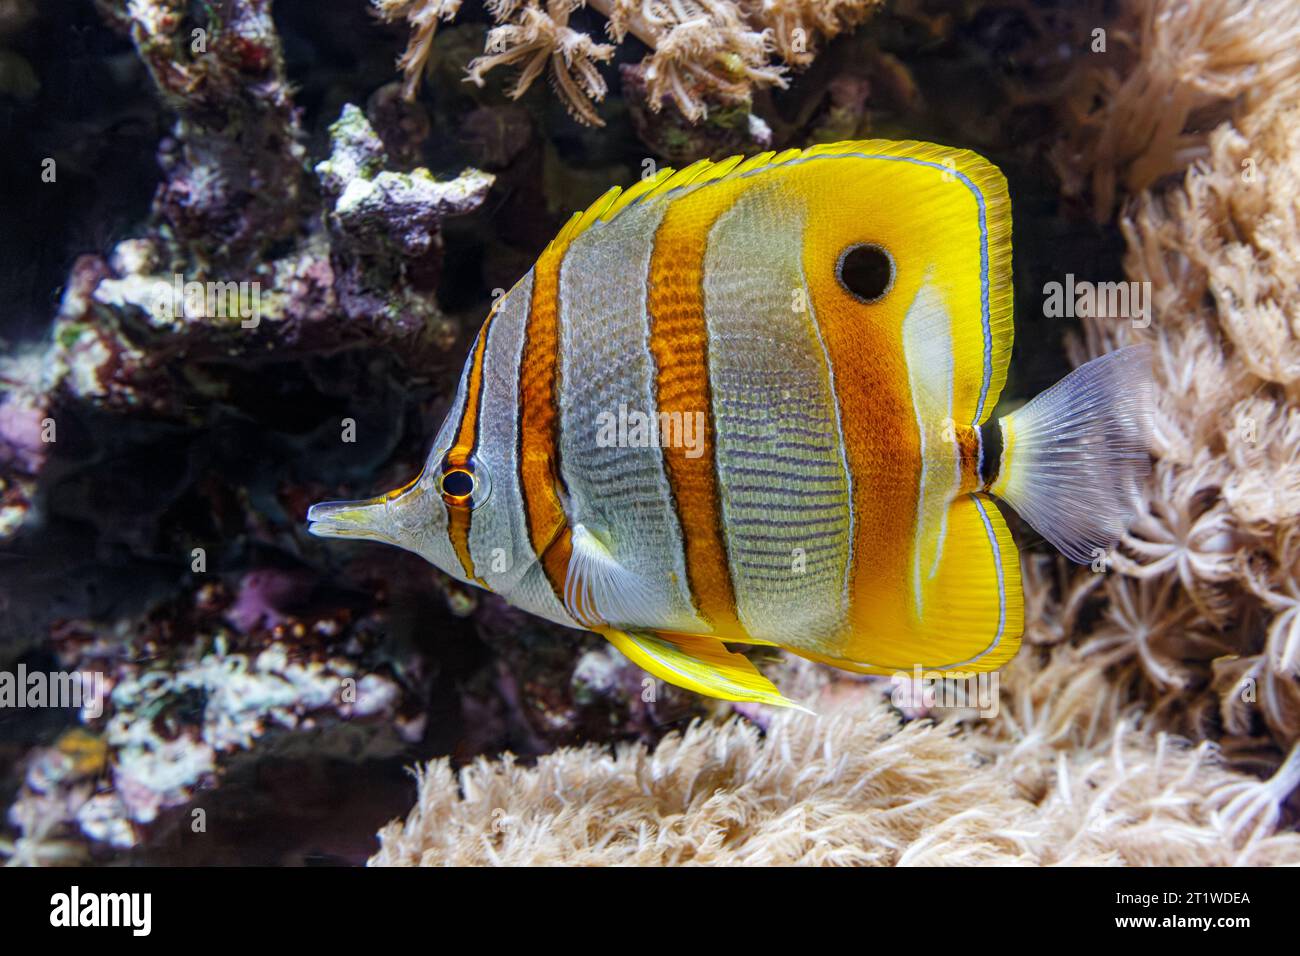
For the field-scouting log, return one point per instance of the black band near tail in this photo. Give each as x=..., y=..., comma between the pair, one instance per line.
x=990, y=451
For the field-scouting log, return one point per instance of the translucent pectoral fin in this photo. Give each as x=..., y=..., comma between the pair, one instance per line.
x=699, y=664
x=598, y=590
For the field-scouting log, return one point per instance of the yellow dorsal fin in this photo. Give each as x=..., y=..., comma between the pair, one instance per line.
x=613, y=201
x=580, y=221
x=565, y=234
x=634, y=193
x=597, y=209
x=964, y=164
x=754, y=162
x=719, y=169
x=683, y=177
x=991, y=350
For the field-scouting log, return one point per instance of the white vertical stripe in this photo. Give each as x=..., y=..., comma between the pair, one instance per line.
x=619, y=494
x=498, y=533
x=927, y=349
x=782, y=466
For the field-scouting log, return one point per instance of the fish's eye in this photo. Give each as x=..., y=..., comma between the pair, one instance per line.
x=462, y=482
x=866, y=271
x=457, y=483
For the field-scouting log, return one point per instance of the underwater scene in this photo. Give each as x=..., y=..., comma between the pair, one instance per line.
x=649, y=433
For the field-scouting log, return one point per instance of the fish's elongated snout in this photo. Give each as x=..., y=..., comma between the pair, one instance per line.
x=413, y=518
x=390, y=518
x=368, y=519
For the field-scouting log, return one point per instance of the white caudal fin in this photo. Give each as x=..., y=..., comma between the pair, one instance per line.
x=1074, y=459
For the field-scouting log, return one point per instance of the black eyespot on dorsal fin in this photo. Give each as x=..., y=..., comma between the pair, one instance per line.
x=866, y=271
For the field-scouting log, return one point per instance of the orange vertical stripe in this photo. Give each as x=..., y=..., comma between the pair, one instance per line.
x=459, y=519
x=679, y=342
x=881, y=438
x=882, y=445
x=539, y=423
x=467, y=431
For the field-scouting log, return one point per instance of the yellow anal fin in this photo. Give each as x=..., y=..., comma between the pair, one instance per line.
x=699, y=664
x=972, y=609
